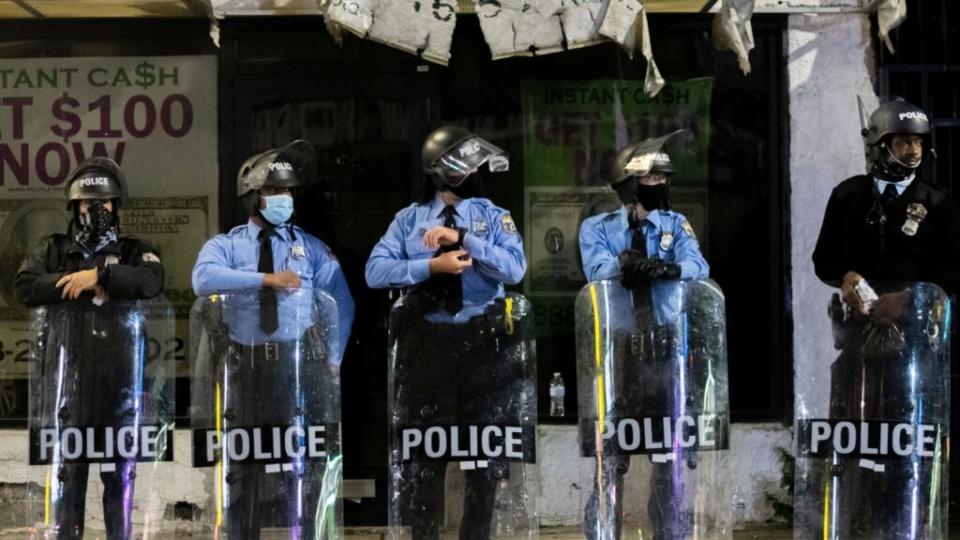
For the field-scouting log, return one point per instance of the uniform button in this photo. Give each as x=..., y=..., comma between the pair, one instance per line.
x=498, y=474
x=622, y=468
x=132, y=475
x=426, y=411
x=228, y=414
x=837, y=469
x=297, y=411
x=63, y=413
x=690, y=400
x=427, y=474
x=231, y=477
x=498, y=411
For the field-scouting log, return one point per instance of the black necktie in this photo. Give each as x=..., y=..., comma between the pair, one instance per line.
x=268, y=295
x=450, y=286
x=889, y=195
x=641, y=296
x=639, y=241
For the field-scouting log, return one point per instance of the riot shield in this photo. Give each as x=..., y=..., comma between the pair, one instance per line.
x=463, y=413
x=654, y=410
x=265, y=414
x=101, y=395
x=872, y=455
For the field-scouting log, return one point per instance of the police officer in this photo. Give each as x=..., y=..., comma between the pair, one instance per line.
x=885, y=226
x=455, y=251
x=268, y=336
x=888, y=225
x=88, y=267
x=640, y=242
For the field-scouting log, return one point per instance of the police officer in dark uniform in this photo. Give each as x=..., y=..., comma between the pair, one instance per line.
x=83, y=271
x=277, y=366
x=888, y=225
x=455, y=360
x=640, y=242
x=879, y=229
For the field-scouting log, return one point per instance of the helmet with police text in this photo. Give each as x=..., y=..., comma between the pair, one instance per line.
x=896, y=117
x=637, y=160
x=96, y=178
x=451, y=154
x=289, y=166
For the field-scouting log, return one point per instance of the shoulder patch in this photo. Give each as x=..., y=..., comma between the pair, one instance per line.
x=150, y=257
x=507, y=224
x=687, y=228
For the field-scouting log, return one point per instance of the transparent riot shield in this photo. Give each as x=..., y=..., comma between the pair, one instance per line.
x=463, y=413
x=654, y=410
x=101, y=398
x=265, y=414
x=872, y=446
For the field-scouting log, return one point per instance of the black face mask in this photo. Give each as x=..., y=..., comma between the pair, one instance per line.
x=472, y=186
x=652, y=197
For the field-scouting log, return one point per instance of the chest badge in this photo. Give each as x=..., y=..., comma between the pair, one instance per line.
x=666, y=241
x=298, y=252
x=111, y=260
x=480, y=227
x=916, y=213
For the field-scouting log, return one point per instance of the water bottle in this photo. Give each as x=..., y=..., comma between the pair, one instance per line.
x=503, y=510
x=739, y=505
x=557, y=391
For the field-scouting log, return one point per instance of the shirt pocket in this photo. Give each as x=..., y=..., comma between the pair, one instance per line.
x=415, y=247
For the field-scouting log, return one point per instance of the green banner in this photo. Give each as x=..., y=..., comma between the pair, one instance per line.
x=571, y=128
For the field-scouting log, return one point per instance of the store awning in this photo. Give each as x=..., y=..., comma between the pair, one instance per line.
x=88, y=9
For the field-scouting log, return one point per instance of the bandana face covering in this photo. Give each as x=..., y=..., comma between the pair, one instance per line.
x=97, y=228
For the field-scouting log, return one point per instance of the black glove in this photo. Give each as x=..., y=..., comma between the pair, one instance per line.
x=635, y=269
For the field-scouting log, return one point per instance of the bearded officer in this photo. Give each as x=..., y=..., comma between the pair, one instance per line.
x=268, y=336
x=640, y=242
x=95, y=267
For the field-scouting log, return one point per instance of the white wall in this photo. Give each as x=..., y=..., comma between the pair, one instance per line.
x=830, y=61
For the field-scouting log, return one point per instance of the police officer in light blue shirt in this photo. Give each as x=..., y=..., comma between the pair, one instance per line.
x=643, y=239
x=453, y=360
x=639, y=243
x=270, y=271
x=231, y=262
x=478, y=242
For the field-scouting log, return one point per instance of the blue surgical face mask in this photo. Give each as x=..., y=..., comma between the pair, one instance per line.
x=277, y=209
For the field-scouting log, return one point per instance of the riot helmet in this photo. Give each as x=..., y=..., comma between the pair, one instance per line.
x=97, y=178
x=289, y=166
x=638, y=160
x=896, y=117
x=452, y=154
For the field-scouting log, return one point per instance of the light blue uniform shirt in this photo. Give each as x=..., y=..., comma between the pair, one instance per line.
x=228, y=263
x=901, y=186
x=603, y=237
x=669, y=237
x=400, y=258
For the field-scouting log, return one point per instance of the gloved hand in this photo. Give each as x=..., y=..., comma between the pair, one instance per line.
x=635, y=269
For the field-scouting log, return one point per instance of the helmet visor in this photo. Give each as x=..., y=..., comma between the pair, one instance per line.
x=467, y=156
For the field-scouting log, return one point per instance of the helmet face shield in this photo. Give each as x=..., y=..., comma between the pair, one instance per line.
x=287, y=166
x=466, y=157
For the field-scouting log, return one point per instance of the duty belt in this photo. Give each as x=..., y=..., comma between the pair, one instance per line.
x=646, y=345
x=270, y=351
